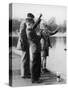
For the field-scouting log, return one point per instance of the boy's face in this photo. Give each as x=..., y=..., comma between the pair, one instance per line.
x=29, y=23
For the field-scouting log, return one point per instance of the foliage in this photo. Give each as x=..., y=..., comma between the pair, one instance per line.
x=15, y=23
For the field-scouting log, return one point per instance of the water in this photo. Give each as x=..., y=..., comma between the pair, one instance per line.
x=56, y=60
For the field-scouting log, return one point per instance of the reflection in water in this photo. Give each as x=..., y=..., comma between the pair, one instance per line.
x=57, y=56
x=54, y=40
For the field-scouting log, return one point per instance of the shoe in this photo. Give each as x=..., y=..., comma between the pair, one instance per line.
x=45, y=70
x=23, y=77
x=28, y=76
x=36, y=81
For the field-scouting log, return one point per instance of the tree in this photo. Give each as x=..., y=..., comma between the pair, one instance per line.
x=15, y=24
x=52, y=24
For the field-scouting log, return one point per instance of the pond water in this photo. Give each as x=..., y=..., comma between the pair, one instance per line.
x=56, y=60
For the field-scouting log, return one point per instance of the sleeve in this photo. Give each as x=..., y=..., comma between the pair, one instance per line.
x=22, y=30
x=21, y=35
